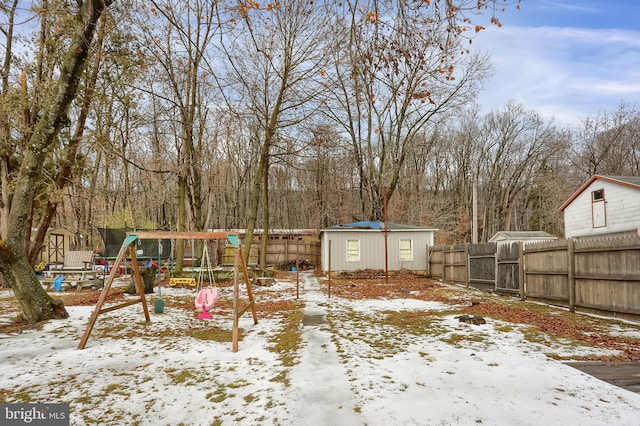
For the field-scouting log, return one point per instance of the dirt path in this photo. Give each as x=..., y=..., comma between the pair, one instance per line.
x=320, y=380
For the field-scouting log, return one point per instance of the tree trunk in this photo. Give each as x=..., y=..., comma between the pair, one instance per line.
x=36, y=304
x=265, y=218
x=263, y=173
x=182, y=220
x=65, y=173
x=5, y=147
x=255, y=202
x=148, y=275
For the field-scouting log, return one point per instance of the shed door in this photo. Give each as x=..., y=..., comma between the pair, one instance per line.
x=56, y=248
x=599, y=213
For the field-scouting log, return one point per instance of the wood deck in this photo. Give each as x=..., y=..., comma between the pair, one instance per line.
x=623, y=374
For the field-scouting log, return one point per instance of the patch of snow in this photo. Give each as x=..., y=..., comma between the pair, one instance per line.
x=354, y=370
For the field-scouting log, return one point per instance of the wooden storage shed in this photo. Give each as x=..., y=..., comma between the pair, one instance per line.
x=57, y=243
x=504, y=237
x=361, y=245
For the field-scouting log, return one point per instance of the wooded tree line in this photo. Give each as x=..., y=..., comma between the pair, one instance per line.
x=191, y=109
x=200, y=114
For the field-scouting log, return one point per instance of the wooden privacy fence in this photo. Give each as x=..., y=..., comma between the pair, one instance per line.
x=279, y=252
x=288, y=251
x=546, y=271
x=449, y=263
x=619, y=286
x=482, y=265
x=599, y=274
x=508, y=268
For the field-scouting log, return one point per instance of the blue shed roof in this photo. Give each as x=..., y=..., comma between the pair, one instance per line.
x=378, y=225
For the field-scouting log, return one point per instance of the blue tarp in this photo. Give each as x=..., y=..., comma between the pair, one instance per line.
x=379, y=226
x=363, y=224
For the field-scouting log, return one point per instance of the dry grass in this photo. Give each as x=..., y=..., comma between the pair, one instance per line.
x=545, y=322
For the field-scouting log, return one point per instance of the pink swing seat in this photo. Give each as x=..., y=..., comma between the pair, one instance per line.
x=206, y=297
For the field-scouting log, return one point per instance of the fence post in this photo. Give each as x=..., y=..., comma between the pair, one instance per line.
x=286, y=251
x=521, y=274
x=496, y=280
x=495, y=267
x=466, y=261
x=444, y=263
x=571, y=274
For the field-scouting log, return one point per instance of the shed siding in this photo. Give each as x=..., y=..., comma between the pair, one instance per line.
x=372, y=249
x=622, y=211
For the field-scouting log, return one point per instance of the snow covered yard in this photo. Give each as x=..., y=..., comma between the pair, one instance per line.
x=370, y=354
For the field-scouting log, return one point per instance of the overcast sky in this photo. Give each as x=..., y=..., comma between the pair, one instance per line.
x=567, y=60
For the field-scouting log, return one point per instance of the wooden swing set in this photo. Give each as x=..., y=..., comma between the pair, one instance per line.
x=129, y=246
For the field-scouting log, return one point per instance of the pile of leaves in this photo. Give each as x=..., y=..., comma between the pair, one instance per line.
x=90, y=297
x=301, y=265
x=562, y=324
x=359, y=285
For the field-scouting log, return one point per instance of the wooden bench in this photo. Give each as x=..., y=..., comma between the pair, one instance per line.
x=191, y=282
x=77, y=271
x=75, y=262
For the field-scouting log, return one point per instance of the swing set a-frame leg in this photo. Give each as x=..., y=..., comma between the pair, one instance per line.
x=128, y=245
x=237, y=312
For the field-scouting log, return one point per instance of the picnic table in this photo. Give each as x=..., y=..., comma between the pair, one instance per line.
x=72, y=279
x=77, y=271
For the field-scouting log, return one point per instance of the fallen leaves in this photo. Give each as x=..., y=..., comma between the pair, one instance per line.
x=558, y=323
x=372, y=284
x=562, y=324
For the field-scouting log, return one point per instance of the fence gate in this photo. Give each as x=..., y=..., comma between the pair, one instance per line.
x=508, y=269
x=449, y=263
x=482, y=266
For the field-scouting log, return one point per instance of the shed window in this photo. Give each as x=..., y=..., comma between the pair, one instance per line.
x=406, y=250
x=353, y=250
x=597, y=195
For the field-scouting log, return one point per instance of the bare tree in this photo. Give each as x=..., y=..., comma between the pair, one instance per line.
x=516, y=143
x=274, y=56
x=607, y=144
x=24, y=94
x=323, y=174
x=398, y=68
x=7, y=145
x=35, y=303
x=71, y=154
x=177, y=36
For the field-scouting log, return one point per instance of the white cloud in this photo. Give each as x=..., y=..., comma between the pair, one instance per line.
x=554, y=5
x=615, y=87
x=562, y=72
